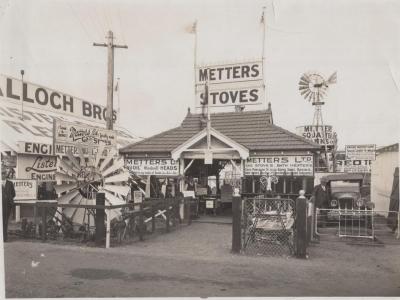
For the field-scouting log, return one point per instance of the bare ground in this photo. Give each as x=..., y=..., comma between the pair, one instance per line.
x=196, y=261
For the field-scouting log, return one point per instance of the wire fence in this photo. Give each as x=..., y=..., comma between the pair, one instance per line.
x=135, y=222
x=268, y=226
x=379, y=227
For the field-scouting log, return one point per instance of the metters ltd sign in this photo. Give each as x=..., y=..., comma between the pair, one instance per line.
x=317, y=135
x=280, y=165
x=230, y=84
x=152, y=166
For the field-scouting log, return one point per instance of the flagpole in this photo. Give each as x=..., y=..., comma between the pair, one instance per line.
x=194, y=29
x=119, y=105
x=263, y=53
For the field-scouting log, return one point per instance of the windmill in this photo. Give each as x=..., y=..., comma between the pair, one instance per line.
x=313, y=87
x=79, y=179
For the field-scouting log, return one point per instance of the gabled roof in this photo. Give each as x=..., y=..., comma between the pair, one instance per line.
x=252, y=129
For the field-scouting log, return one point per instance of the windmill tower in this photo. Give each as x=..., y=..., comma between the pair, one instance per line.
x=313, y=87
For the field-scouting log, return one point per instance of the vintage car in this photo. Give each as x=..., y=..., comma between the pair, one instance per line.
x=347, y=193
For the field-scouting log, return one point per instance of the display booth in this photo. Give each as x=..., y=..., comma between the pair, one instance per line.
x=239, y=153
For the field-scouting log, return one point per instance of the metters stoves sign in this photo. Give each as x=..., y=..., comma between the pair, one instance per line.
x=230, y=84
x=280, y=165
x=152, y=166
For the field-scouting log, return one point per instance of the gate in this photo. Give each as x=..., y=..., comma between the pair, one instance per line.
x=382, y=227
x=268, y=226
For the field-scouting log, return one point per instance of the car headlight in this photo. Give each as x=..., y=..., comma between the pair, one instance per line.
x=334, y=203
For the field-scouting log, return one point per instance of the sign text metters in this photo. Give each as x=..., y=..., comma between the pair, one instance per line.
x=315, y=134
x=280, y=165
x=152, y=166
x=229, y=72
x=230, y=84
x=48, y=99
x=25, y=189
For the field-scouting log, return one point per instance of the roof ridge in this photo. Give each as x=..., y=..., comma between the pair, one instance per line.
x=233, y=112
x=150, y=137
x=295, y=135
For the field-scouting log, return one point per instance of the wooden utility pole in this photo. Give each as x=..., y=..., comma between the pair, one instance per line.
x=110, y=75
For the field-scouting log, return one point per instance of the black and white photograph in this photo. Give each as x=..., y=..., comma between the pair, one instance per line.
x=199, y=148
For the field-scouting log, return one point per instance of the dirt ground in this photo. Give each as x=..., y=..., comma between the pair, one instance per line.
x=196, y=261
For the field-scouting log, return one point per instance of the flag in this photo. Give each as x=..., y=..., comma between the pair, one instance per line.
x=262, y=18
x=192, y=28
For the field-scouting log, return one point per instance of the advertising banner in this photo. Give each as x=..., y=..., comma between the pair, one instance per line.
x=152, y=166
x=280, y=165
x=230, y=84
x=35, y=148
x=36, y=167
x=70, y=137
x=46, y=99
x=315, y=134
x=25, y=189
x=361, y=152
x=354, y=166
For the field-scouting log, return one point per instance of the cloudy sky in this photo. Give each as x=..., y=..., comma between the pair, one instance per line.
x=52, y=41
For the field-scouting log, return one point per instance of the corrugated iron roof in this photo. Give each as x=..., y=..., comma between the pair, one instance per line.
x=252, y=129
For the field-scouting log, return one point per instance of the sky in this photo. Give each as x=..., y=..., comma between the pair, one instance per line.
x=52, y=40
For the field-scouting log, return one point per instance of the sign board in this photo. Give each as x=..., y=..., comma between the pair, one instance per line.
x=230, y=84
x=137, y=197
x=208, y=157
x=25, y=189
x=361, y=152
x=235, y=72
x=209, y=203
x=152, y=166
x=35, y=148
x=37, y=167
x=280, y=165
x=354, y=166
x=46, y=99
x=315, y=134
x=70, y=137
x=201, y=191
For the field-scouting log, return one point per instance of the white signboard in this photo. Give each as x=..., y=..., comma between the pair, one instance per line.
x=137, y=197
x=37, y=167
x=47, y=99
x=152, y=166
x=280, y=165
x=230, y=84
x=354, y=166
x=361, y=152
x=35, y=148
x=25, y=189
x=246, y=71
x=315, y=134
x=69, y=137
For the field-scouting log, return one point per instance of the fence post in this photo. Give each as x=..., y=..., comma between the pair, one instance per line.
x=99, y=219
x=167, y=214
x=301, y=226
x=108, y=228
x=153, y=218
x=44, y=223
x=187, y=204
x=236, y=224
x=141, y=222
